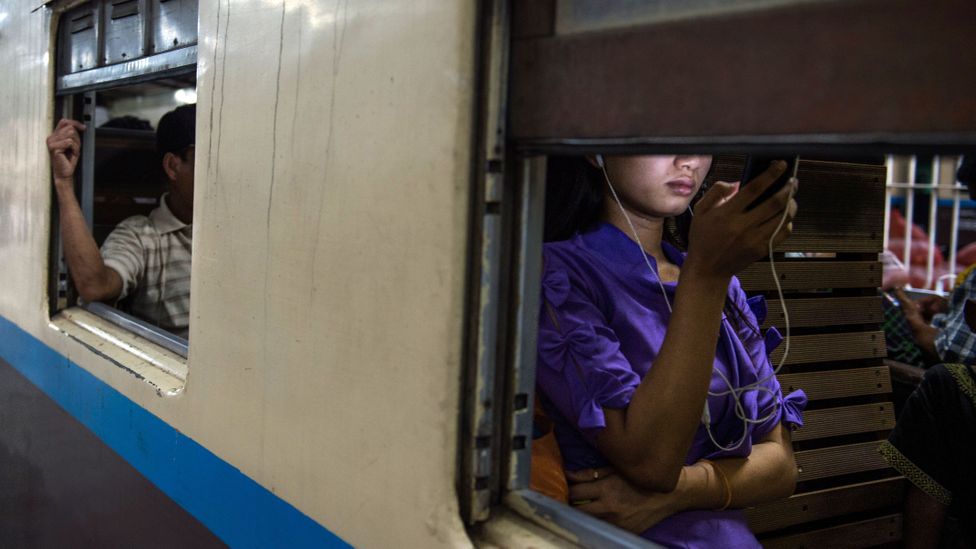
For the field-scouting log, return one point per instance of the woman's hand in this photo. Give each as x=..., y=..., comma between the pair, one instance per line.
x=608, y=496
x=725, y=238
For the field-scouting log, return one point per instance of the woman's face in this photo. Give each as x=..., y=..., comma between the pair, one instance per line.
x=658, y=185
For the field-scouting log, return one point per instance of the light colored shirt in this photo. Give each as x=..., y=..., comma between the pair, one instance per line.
x=152, y=255
x=602, y=323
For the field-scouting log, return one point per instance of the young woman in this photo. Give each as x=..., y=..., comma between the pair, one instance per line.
x=651, y=363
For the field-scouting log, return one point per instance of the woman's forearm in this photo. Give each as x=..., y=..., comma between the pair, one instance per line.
x=648, y=441
x=768, y=474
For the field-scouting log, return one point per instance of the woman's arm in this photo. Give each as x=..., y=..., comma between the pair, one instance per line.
x=647, y=442
x=768, y=474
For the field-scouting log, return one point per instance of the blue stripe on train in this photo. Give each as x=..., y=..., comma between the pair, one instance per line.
x=237, y=509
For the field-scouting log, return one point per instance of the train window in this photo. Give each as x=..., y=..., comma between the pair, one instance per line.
x=121, y=238
x=570, y=86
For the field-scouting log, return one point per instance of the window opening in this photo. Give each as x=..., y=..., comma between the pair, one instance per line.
x=122, y=65
x=930, y=223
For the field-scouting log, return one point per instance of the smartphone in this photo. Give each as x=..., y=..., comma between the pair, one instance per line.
x=756, y=165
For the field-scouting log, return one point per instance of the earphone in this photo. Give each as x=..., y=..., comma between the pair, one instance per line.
x=735, y=392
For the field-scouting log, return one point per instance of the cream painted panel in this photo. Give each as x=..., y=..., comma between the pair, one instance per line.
x=24, y=194
x=26, y=117
x=333, y=172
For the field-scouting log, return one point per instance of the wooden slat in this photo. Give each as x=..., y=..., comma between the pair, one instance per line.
x=866, y=533
x=805, y=349
x=825, y=311
x=812, y=275
x=823, y=223
x=839, y=460
x=846, y=420
x=839, y=383
x=822, y=504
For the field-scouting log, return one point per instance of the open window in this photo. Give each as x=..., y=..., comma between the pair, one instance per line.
x=120, y=65
x=577, y=77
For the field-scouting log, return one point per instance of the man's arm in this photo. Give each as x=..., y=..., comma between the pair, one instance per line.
x=93, y=279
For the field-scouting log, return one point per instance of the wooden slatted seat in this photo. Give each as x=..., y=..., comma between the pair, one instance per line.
x=839, y=460
x=843, y=346
x=865, y=533
x=829, y=503
x=822, y=385
x=846, y=420
x=826, y=311
x=846, y=495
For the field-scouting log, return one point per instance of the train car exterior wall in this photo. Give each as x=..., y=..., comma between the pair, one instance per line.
x=332, y=208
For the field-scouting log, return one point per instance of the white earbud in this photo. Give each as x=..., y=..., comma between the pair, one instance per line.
x=599, y=161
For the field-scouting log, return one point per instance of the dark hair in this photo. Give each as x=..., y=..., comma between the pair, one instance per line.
x=177, y=131
x=574, y=201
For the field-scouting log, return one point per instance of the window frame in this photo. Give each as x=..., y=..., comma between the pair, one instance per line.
x=75, y=95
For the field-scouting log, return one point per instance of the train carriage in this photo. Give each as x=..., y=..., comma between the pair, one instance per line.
x=370, y=182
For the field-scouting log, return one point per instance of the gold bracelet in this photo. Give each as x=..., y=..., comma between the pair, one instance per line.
x=725, y=483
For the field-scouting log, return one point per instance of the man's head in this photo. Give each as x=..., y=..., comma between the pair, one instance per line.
x=175, y=140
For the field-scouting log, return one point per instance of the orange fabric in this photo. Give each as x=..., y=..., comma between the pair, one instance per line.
x=547, y=476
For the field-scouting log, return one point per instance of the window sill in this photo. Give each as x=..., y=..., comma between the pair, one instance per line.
x=164, y=370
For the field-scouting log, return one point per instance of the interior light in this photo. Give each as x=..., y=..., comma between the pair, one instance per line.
x=185, y=96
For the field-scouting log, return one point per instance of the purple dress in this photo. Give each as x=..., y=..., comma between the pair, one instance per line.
x=601, y=325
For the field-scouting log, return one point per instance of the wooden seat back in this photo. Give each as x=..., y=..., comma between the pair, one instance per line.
x=830, y=274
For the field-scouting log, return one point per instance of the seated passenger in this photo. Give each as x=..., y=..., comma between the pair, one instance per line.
x=945, y=337
x=933, y=446
x=144, y=259
x=640, y=342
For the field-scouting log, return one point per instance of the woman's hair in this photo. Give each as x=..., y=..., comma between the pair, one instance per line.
x=574, y=203
x=575, y=192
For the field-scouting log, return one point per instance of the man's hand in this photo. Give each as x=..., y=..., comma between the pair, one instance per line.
x=64, y=145
x=608, y=496
x=931, y=305
x=923, y=333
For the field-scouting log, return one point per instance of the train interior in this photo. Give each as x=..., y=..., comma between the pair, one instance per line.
x=852, y=179
x=128, y=176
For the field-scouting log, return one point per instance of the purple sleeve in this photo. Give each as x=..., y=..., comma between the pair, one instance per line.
x=581, y=370
x=772, y=406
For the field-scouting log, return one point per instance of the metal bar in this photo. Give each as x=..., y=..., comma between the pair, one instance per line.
x=480, y=433
x=954, y=234
x=836, y=145
x=889, y=178
x=562, y=519
x=144, y=68
x=532, y=198
x=88, y=160
x=909, y=214
x=164, y=339
x=933, y=222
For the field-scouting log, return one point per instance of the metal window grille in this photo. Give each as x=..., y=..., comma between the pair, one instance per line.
x=911, y=182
